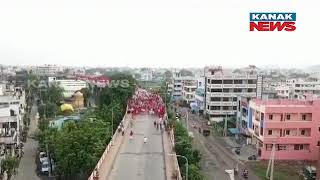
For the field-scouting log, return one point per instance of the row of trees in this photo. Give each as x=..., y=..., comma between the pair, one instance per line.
x=183, y=146
x=77, y=146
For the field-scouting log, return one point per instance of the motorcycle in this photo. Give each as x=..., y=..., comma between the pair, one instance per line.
x=245, y=174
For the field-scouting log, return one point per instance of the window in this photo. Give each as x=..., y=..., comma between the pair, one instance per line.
x=215, y=108
x=234, y=107
x=288, y=116
x=318, y=144
x=287, y=132
x=235, y=99
x=208, y=81
x=225, y=107
x=225, y=99
x=227, y=82
x=268, y=147
x=269, y=132
x=215, y=99
x=302, y=146
x=216, y=81
x=226, y=90
x=237, y=90
x=270, y=116
x=303, y=117
x=238, y=82
x=208, y=107
x=216, y=90
x=282, y=147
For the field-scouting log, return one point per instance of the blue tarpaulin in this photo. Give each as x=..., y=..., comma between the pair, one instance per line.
x=234, y=130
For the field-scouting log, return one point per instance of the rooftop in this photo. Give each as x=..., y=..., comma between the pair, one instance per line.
x=286, y=102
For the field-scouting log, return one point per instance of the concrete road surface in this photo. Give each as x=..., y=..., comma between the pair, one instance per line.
x=138, y=160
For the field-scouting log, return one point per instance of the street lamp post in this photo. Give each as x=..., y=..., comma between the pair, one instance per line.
x=187, y=163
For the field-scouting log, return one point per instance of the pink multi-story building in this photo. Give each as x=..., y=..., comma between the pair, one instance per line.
x=292, y=125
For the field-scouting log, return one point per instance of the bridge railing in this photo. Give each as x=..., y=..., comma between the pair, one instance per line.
x=175, y=158
x=95, y=173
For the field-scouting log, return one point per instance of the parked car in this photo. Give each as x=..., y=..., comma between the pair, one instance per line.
x=252, y=157
x=45, y=166
x=42, y=157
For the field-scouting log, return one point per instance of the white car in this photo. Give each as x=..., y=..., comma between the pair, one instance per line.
x=45, y=167
x=43, y=157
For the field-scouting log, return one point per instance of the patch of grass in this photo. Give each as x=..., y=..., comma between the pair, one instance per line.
x=282, y=170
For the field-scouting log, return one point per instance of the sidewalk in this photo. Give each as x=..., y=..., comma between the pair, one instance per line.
x=169, y=160
x=107, y=164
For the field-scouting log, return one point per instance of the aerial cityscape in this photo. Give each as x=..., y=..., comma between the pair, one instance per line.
x=64, y=122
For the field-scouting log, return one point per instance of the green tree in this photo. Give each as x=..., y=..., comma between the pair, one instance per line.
x=79, y=147
x=86, y=95
x=167, y=75
x=9, y=165
x=48, y=110
x=185, y=72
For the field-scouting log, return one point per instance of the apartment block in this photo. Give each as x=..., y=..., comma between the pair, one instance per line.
x=292, y=126
x=12, y=105
x=296, y=88
x=183, y=87
x=224, y=86
x=70, y=86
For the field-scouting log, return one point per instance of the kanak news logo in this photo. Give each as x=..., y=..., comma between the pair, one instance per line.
x=272, y=21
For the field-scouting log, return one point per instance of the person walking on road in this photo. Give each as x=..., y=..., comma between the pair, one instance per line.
x=145, y=139
x=131, y=135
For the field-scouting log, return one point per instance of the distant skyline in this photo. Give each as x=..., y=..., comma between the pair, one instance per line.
x=149, y=33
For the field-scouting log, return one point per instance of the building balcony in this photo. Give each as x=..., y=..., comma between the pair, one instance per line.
x=228, y=86
x=240, y=85
x=215, y=86
x=8, y=140
x=288, y=139
x=178, y=88
x=270, y=124
x=190, y=85
x=8, y=119
x=221, y=112
x=251, y=85
x=216, y=94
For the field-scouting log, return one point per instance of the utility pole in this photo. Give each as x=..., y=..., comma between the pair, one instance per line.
x=49, y=159
x=271, y=163
x=187, y=119
x=225, y=125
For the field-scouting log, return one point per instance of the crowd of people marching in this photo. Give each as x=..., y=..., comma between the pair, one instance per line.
x=146, y=102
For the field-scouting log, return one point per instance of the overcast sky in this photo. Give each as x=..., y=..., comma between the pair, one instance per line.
x=157, y=33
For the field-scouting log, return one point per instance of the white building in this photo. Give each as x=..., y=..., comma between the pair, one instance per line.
x=70, y=86
x=198, y=105
x=47, y=70
x=11, y=113
x=297, y=88
x=183, y=87
x=224, y=86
